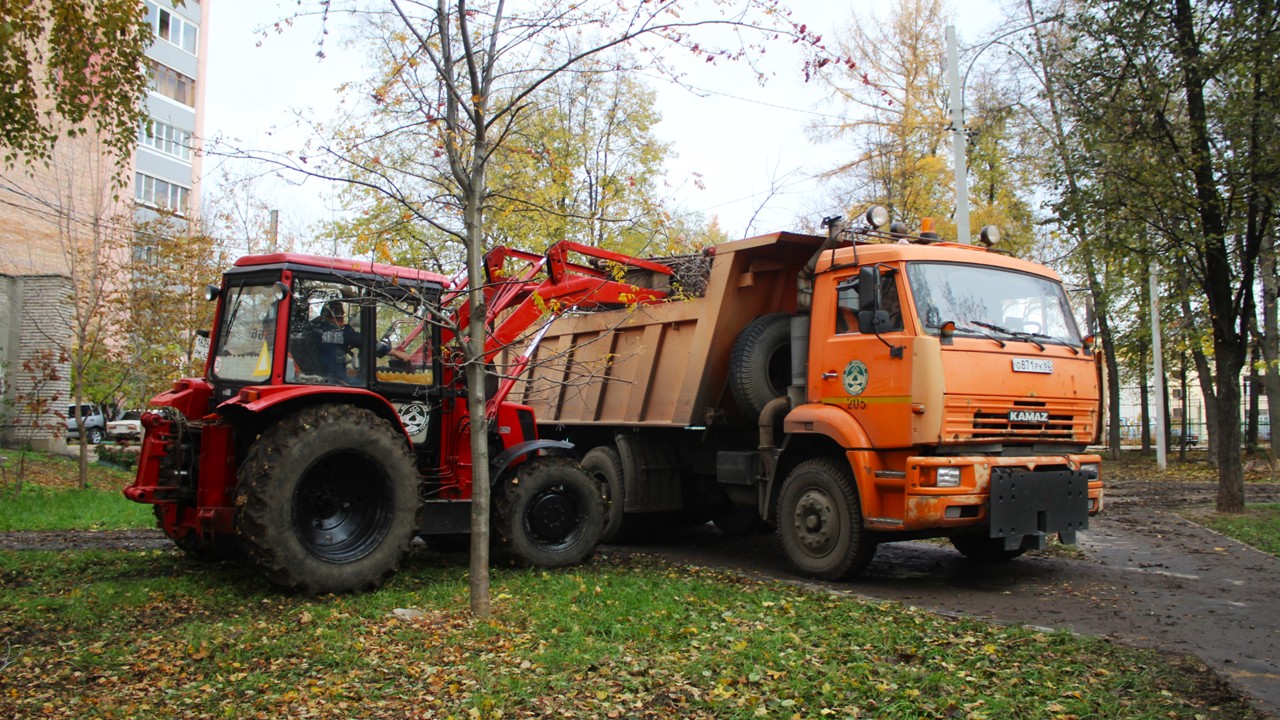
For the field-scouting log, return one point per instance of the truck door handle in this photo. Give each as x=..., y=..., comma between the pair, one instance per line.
x=830, y=375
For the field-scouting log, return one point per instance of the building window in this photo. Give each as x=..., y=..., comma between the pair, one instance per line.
x=172, y=28
x=161, y=193
x=165, y=138
x=172, y=84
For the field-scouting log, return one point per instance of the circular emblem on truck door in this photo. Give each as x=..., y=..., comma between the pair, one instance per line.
x=856, y=377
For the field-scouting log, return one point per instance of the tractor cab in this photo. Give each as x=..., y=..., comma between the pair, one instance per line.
x=292, y=320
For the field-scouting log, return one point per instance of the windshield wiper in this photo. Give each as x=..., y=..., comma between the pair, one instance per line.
x=1029, y=337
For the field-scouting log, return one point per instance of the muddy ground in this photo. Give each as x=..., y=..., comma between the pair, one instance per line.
x=1140, y=575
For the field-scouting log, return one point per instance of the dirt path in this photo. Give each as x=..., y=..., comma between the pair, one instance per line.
x=1143, y=576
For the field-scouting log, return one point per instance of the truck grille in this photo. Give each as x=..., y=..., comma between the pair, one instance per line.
x=989, y=418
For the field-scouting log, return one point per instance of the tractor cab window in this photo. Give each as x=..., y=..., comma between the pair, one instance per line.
x=847, y=304
x=246, y=343
x=326, y=334
x=405, y=336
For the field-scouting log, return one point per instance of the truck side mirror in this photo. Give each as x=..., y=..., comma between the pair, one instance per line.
x=871, y=319
x=868, y=288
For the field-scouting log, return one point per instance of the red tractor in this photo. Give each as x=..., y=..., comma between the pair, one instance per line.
x=331, y=426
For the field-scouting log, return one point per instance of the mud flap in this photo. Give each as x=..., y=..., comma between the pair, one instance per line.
x=1031, y=505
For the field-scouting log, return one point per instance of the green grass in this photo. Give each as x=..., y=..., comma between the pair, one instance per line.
x=51, y=497
x=156, y=635
x=44, y=508
x=1259, y=526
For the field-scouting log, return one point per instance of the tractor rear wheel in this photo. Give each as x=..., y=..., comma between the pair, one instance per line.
x=327, y=500
x=551, y=512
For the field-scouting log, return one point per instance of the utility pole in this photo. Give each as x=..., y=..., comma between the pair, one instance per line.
x=958, y=138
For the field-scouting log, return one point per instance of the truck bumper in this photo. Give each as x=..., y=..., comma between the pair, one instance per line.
x=1012, y=497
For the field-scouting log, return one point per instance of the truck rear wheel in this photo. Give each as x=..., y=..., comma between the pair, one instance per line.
x=760, y=364
x=604, y=464
x=820, y=521
x=327, y=500
x=552, y=512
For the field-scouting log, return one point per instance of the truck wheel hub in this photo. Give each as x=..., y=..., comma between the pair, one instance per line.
x=813, y=520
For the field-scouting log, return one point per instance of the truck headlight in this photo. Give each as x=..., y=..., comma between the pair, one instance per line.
x=948, y=477
x=1092, y=470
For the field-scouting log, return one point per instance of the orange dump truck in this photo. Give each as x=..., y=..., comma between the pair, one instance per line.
x=861, y=388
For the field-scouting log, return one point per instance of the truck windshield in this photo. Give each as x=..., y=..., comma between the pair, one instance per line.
x=994, y=302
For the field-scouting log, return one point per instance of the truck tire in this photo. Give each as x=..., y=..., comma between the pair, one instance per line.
x=604, y=465
x=551, y=512
x=980, y=548
x=820, y=521
x=760, y=363
x=327, y=500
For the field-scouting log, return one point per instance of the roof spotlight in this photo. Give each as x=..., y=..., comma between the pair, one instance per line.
x=877, y=216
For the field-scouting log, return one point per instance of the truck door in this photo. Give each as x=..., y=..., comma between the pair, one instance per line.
x=864, y=372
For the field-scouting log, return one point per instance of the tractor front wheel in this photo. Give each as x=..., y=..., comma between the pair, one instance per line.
x=552, y=512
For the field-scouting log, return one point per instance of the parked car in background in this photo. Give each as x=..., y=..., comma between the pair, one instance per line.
x=127, y=427
x=1192, y=438
x=95, y=423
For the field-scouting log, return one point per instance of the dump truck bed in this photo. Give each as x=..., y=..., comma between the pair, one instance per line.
x=666, y=364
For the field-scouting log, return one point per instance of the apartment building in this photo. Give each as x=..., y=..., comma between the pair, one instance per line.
x=46, y=211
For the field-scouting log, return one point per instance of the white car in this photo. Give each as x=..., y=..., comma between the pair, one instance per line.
x=127, y=427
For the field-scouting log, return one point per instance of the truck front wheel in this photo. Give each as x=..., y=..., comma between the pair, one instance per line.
x=552, y=512
x=983, y=549
x=820, y=521
x=327, y=500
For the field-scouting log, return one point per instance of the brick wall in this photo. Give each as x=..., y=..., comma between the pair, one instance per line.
x=35, y=314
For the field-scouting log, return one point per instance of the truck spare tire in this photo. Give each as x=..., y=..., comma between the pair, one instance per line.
x=327, y=500
x=760, y=363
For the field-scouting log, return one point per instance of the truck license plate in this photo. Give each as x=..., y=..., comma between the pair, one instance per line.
x=1033, y=365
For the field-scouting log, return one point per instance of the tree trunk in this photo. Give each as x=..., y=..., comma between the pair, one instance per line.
x=478, y=583
x=1144, y=402
x=1229, y=344
x=1255, y=392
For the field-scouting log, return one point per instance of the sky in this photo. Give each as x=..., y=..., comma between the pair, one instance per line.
x=746, y=144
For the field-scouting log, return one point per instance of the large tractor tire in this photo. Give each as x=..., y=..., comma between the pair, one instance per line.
x=551, y=512
x=820, y=521
x=327, y=500
x=760, y=363
x=604, y=464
